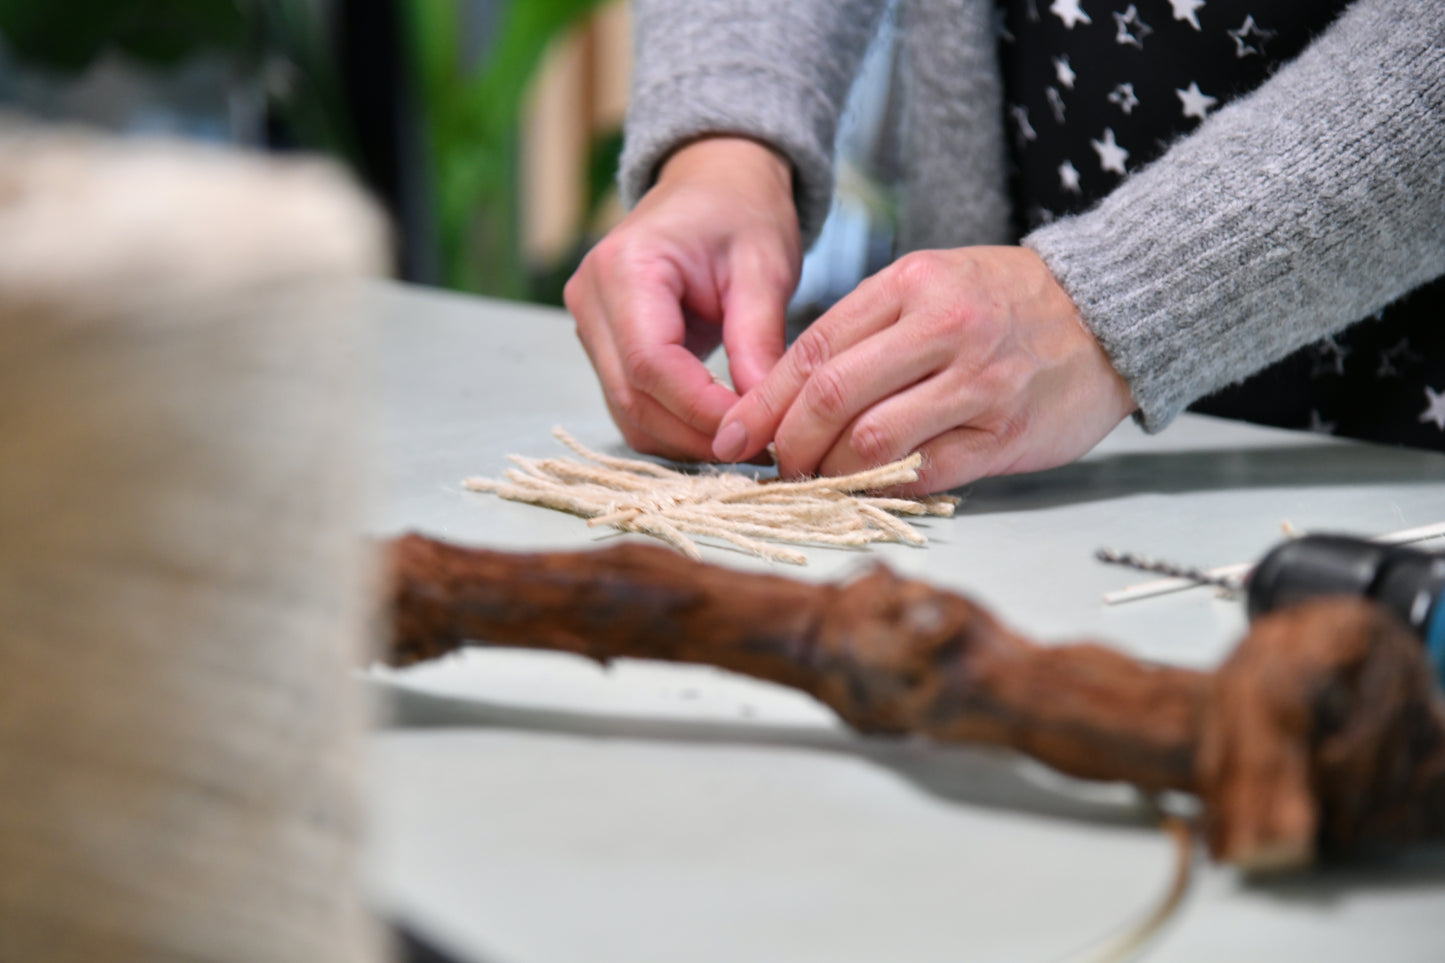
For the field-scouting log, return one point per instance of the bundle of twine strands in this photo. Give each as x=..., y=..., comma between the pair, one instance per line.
x=182, y=584
x=640, y=496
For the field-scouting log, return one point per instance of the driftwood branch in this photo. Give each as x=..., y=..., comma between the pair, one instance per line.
x=1323, y=731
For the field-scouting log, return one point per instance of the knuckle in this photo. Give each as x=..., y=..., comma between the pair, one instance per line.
x=1009, y=429
x=826, y=394
x=1007, y=378
x=607, y=251
x=936, y=326
x=773, y=267
x=693, y=411
x=874, y=443
x=787, y=456
x=761, y=407
x=629, y=403
x=917, y=270
x=629, y=254
x=619, y=258
x=640, y=367
x=778, y=280
x=812, y=350
x=930, y=479
x=594, y=265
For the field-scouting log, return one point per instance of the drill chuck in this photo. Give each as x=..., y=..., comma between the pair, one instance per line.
x=1408, y=582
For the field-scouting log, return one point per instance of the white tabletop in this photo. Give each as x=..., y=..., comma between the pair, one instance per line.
x=531, y=808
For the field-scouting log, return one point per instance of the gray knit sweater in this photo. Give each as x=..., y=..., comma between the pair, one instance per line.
x=1286, y=216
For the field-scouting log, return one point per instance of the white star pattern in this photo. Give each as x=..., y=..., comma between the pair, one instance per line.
x=1319, y=425
x=1185, y=10
x=1070, y=12
x=1064, y=72
x=1069, y=177
x=1056, y=103
x=1026, y=130
x=1000, y=26
x=1434, y=407
x=1123, y=97
x=1368, y=384
x=1195, y=102
x=1249, y=30
x=1111, y=155
x=1131, y=30
x=1329, y=358
x=1400, y=352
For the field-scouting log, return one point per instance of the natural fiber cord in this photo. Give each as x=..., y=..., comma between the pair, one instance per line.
x=182, y=585
x=640, y=496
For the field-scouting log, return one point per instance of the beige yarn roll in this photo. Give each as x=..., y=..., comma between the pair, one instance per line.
x=180, y=569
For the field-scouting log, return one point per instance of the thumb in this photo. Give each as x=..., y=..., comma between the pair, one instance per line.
x=754, y=317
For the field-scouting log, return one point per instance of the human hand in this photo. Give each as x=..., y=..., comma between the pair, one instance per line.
x=710, y=254
x=975, y=357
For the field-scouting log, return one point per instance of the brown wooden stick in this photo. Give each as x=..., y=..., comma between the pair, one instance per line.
x=886, y=654
x=1275, y=743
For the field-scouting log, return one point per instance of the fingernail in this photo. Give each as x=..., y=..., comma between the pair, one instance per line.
x=730, y=442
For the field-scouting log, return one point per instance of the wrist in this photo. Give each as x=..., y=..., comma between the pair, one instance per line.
x=731, y=159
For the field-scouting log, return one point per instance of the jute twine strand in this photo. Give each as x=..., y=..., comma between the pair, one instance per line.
x=632, y=495
x=184, y=598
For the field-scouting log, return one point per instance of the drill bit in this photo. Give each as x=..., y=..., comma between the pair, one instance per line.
x=1228, y=583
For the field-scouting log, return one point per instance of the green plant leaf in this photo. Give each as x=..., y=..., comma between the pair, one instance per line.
x=603, y=156
x=471, y=121
x=526, y=30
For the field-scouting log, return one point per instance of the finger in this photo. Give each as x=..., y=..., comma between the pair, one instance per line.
x=754, y=317
x=653, y=430
x=649, y=335
x=900, y=424
x=702, y=337
x=872, y=372
x=749, y=426
x=645, y=425
x=957, y=457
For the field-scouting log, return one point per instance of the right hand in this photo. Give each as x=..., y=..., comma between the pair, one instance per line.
x=710, y=254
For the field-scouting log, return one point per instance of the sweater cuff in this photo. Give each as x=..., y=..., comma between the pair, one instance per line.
x=1133, y=294
x=773, y=108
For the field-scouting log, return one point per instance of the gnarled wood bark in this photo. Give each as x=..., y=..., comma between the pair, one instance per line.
x=1324, y=728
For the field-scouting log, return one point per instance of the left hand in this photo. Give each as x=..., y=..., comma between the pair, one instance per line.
x=975, y=357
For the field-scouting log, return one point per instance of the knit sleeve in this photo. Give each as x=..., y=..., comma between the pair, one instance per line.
x=773, y=71
x=1306, y=206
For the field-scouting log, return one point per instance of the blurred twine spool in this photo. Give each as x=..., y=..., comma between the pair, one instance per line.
x=180, y=567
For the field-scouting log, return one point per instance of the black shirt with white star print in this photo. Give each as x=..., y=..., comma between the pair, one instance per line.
x=1095, y=90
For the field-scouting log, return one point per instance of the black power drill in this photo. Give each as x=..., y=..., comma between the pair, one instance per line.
x=1407, y=581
